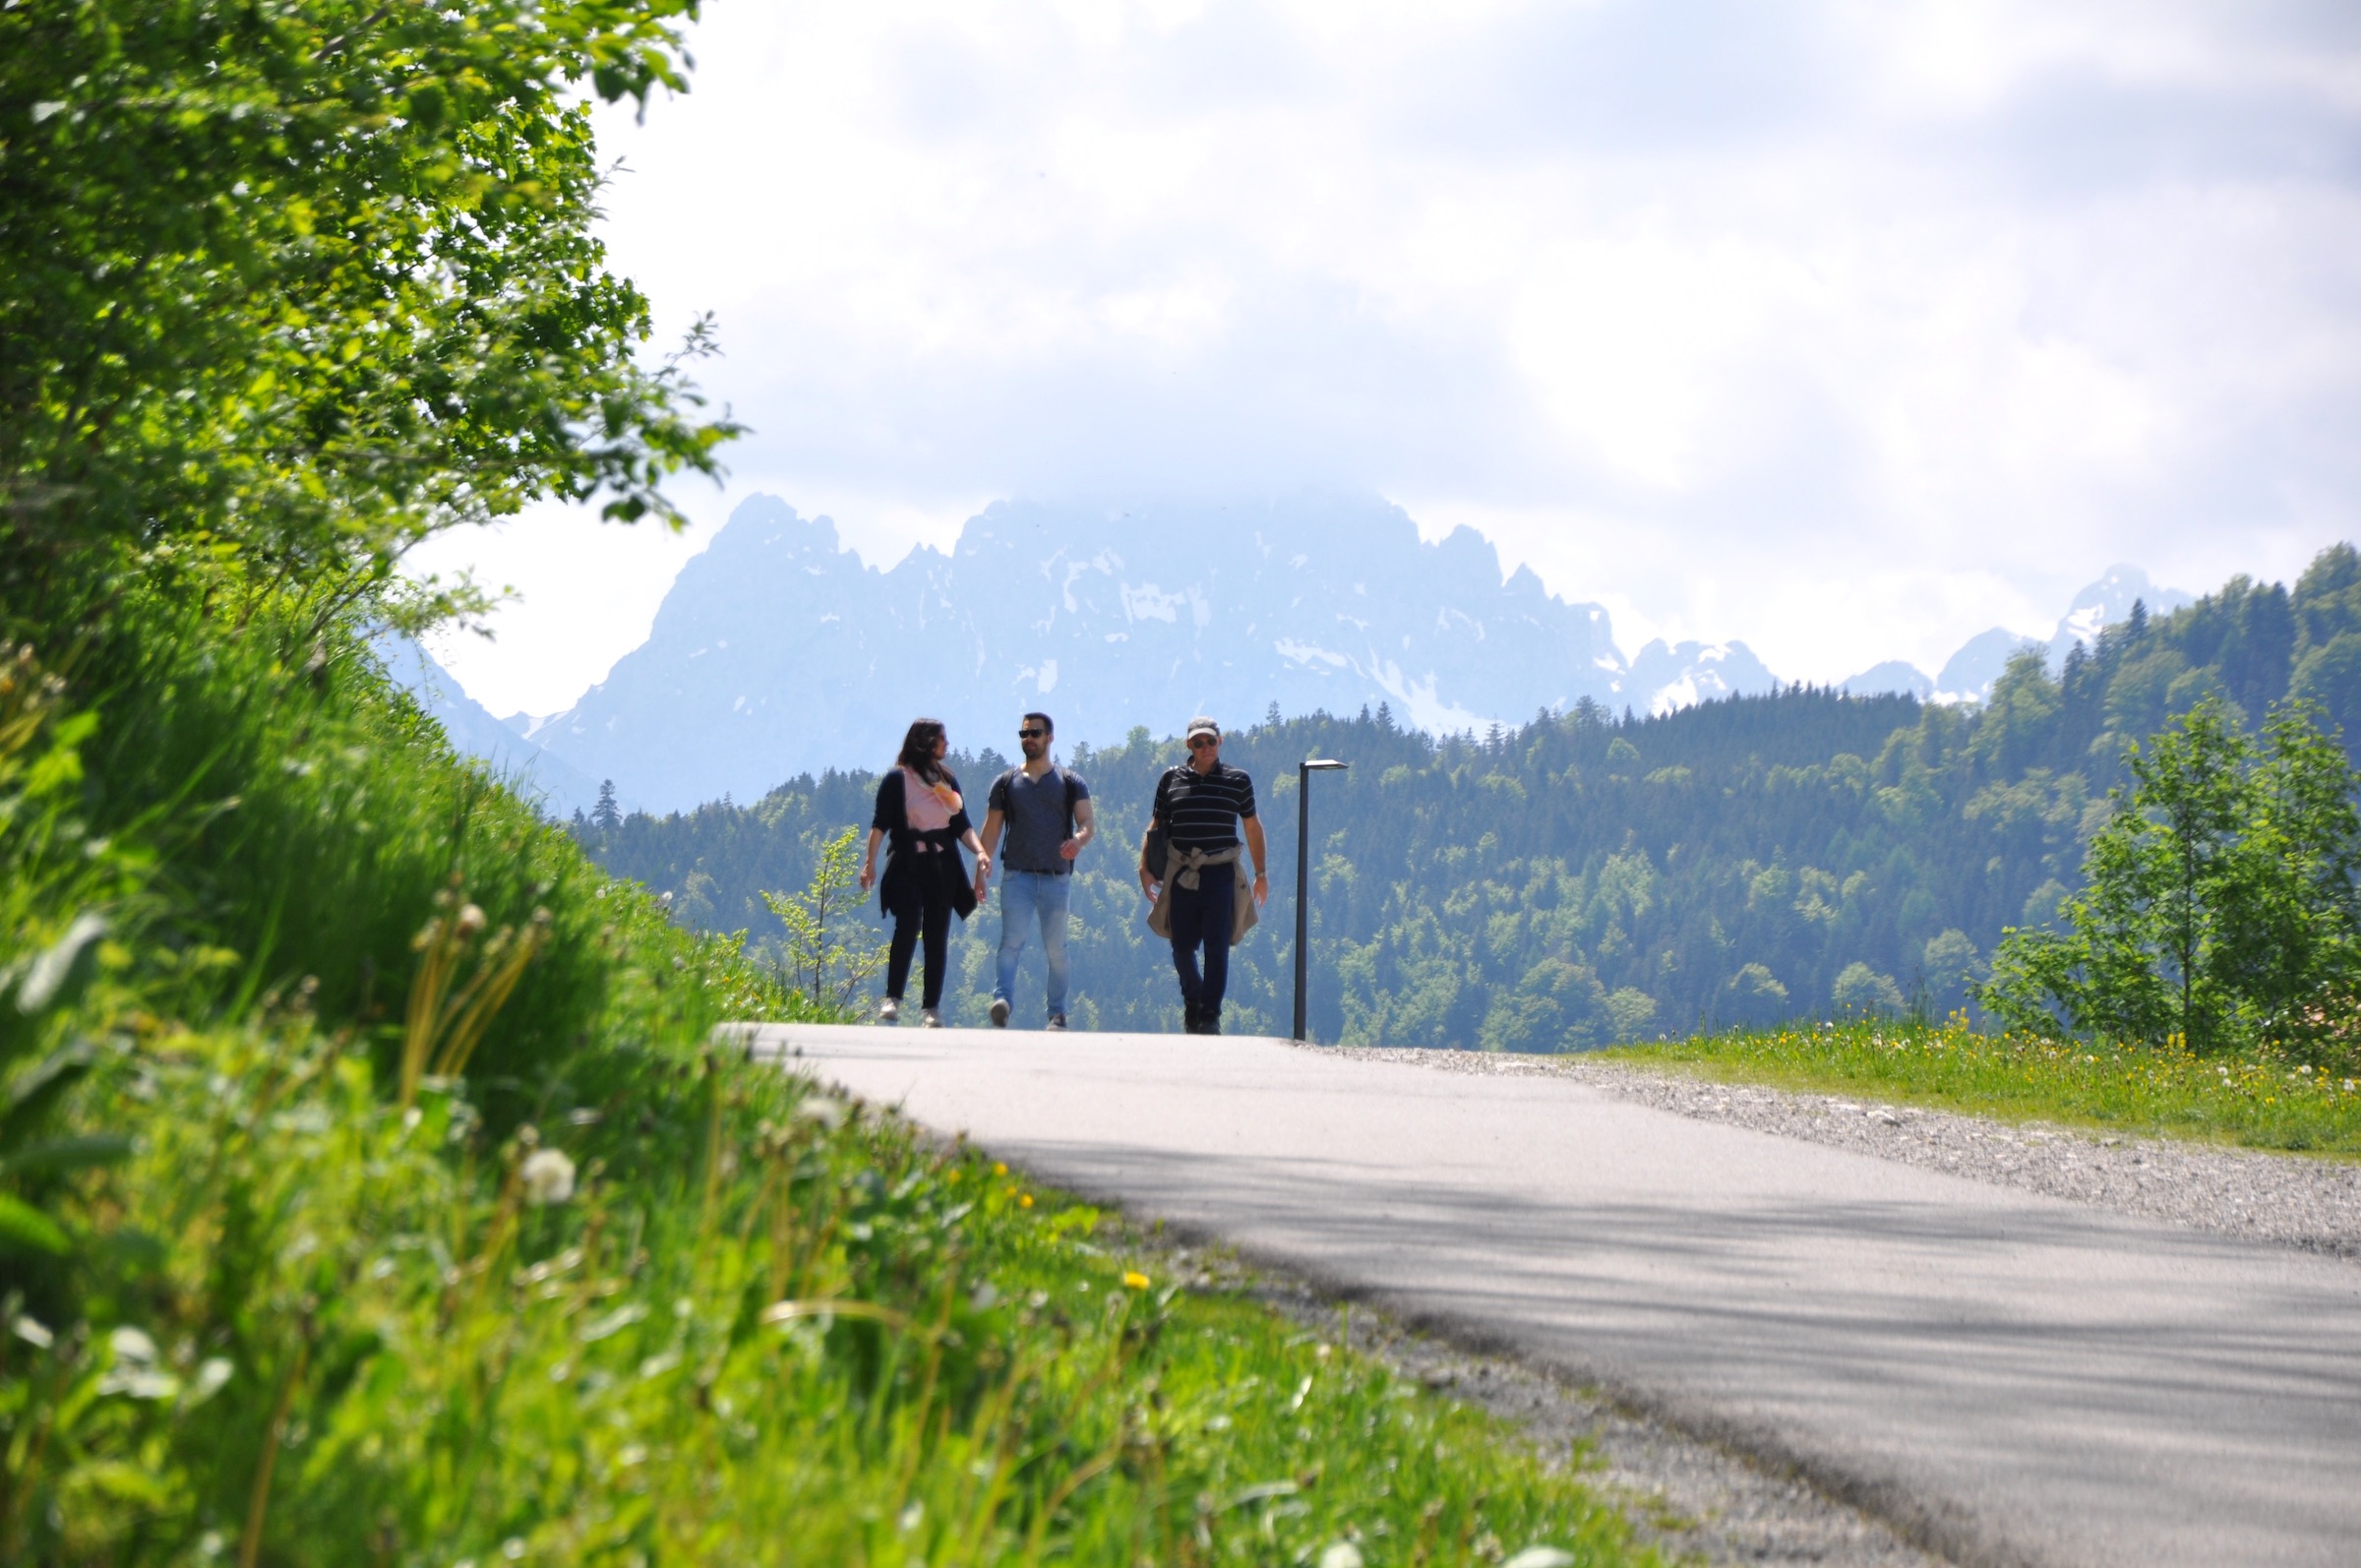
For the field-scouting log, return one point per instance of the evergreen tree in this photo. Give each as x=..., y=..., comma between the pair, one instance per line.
x=606, y=816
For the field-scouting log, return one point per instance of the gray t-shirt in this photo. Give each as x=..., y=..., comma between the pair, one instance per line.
x=1035, y=809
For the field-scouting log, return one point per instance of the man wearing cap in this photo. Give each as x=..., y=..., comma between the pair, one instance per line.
x=1046, y=812
x=1202, y=898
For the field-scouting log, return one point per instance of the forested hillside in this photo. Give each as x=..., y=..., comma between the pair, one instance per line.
x=1590, y=877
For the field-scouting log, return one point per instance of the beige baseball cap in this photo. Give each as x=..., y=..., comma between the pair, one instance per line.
x=1201, y=725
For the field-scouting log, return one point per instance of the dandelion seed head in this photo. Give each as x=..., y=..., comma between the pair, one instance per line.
x=548, y=1176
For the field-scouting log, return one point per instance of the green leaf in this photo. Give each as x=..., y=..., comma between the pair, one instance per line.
x=426, y=106
x=69, y=1154
x=25, y=1229
x=37, y=1089
x=44, y=982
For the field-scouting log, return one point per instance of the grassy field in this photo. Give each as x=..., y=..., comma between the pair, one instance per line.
x=2163, y=1091
x=370, y=1193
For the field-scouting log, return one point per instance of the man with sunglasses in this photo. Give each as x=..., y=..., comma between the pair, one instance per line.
x=1201, y=894
x=1047, y=812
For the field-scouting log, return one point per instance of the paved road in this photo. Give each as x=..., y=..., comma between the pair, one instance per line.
x=2009, y=1378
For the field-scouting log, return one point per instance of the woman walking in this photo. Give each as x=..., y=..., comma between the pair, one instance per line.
x=924, y=820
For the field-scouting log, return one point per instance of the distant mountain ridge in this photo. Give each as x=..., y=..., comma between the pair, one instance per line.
x=474, y=732
x=778, y=651
x=1971, y=672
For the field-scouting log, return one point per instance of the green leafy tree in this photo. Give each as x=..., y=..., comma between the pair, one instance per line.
x=1754, y=996
x=1951, y=967
x=303, y=282
x=2134, y=960
x=2291, y=950
x=1862, y=993
x=820, y=959
x=2331, y=676
x=2220, y=903
x=1629, y=1012
x=1556, y=1006
x=2024, y=704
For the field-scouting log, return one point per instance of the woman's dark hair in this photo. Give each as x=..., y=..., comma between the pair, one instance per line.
x=918, y=750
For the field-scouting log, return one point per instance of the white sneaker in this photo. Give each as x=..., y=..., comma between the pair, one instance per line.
x=931, y=1018
x=1058, y=1022
x=1000, y=1012
x=890, y=1009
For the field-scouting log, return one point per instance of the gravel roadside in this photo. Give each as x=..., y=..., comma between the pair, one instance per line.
x=2290, y=1199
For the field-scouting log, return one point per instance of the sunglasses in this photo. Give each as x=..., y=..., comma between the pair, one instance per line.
x=1031, y=735
x=1200, y=742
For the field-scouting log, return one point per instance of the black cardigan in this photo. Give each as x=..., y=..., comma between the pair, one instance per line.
x=921, y=866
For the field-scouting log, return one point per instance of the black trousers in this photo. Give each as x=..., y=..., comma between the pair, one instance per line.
x=934, y=924
x=1201, y=919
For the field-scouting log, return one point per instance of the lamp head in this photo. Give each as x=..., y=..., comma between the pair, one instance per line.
x=1322, y=765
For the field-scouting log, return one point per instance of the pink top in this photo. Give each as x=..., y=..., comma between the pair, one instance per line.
x=926, y=808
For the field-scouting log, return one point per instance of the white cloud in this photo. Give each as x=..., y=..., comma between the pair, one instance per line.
x=1846, y=328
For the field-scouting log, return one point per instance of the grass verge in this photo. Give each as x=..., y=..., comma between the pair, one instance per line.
x=345, y=1332
x=2259, y=1101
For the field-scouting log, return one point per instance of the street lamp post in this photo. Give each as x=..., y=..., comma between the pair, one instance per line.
x=1311, y=765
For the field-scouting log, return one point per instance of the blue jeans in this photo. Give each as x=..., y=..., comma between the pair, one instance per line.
x=1027, y=897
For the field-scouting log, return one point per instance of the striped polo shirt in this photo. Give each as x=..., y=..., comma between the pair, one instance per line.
x=1201, y=811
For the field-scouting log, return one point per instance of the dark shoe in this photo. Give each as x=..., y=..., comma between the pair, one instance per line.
x=1209, y=1021
x=1000, y=1012
x=1192, y=1020
x=1058, y=1022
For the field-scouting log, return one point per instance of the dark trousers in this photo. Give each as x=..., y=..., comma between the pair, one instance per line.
x=934, y=923
x=1201, y=918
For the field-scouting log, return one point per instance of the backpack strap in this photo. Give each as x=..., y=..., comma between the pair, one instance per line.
x=1161, y=788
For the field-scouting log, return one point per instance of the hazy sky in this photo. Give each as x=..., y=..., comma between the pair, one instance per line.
x=1848, y=329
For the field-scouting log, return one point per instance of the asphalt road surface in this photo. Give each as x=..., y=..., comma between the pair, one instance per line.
x=2008, y=1378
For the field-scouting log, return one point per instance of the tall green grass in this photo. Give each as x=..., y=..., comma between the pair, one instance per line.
x=360, y=1338
x=437, y=1230
x=2259, y=1100
x=315, y=817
